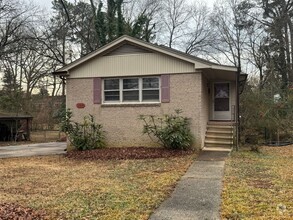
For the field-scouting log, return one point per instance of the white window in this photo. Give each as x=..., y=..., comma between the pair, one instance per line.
x=131, y=90
x=150, y=89
x=111, y=90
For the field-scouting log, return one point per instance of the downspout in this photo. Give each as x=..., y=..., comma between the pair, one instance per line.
x=237, y=89
x=237, y=108
x=63, y=84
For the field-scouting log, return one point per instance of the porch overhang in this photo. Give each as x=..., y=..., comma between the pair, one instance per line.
x=220, y=74
x=225, y=75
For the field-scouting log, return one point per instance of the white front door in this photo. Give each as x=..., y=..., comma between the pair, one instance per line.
x=221, y=101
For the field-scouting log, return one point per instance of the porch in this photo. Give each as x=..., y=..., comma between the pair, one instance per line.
x=223, y=89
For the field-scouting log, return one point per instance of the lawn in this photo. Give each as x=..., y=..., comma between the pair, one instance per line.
x=259, y=185
x=75, y=189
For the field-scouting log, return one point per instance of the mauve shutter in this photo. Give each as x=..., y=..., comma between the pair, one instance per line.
x=97, y=90
x=165, y=88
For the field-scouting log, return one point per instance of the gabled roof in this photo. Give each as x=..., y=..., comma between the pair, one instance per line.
x=148, y=46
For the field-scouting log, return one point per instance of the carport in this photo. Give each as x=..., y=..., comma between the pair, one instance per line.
x=15, y=126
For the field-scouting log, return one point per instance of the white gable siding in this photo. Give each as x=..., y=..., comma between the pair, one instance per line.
x=131, y=65
x=127, y=49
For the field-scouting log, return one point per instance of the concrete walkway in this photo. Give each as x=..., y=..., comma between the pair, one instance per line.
x=198, y=193
x=33, y=149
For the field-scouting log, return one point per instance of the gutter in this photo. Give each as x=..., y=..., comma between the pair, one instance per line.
x=61, y=73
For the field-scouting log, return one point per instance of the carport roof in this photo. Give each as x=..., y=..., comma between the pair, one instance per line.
x=13, y=116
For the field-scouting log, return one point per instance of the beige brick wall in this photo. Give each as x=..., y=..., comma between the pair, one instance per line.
x=121, y=122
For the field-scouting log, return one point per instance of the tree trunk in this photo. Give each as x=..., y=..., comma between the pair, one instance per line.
x=54, y=86
x=290, y=25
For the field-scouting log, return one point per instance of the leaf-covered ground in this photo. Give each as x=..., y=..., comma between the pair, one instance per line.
x=127, y=153
x=259, y=185
x=9, y=211
x=77, y=189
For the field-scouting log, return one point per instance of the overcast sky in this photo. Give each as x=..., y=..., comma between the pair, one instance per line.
x=47, y=3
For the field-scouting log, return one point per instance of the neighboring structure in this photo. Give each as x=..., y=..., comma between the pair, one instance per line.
x=14, y=126
x=44, y=109
x=129, y=77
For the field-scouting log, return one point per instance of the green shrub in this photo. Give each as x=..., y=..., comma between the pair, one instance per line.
x=83, y=136
x=171, y=131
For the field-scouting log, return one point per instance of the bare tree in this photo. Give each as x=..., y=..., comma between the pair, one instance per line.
x=200, y=34
x=257, y=55
x=176, y=15
x=34, y=68
x=14, y=18
x=231, y=23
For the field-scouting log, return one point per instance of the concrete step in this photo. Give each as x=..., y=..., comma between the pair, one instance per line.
x=225, y=149
x=220, y=126
x=219, y=133
x=222, y=142
x=213, y=145
x=231, y=123
x=218, y=138
x=225, y=130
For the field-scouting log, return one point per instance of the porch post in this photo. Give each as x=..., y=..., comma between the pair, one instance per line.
x=28, y=122
x=237, y=108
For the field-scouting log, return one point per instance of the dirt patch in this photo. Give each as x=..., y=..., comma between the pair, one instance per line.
x=14, y=211
x=126, y=153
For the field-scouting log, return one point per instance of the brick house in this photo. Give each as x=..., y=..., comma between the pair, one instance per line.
x=129, y=77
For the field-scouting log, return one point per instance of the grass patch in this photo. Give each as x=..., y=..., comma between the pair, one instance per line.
x=259, y=185
x=71, y=189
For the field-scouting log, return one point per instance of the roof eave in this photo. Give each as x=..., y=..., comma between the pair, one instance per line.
x=168, y=51
x=226, y=68
x=220, y=67
x=61, y=73
x=134, y=41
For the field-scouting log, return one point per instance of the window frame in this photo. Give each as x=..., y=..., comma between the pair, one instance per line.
x=150, y=89
x=121, y=87
x=111, y=90
x=140, y=89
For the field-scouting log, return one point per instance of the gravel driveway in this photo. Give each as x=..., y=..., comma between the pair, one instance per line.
x=28, y=150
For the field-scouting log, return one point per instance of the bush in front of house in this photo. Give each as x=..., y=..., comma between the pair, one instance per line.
x=83, y=136
x=171, y=131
